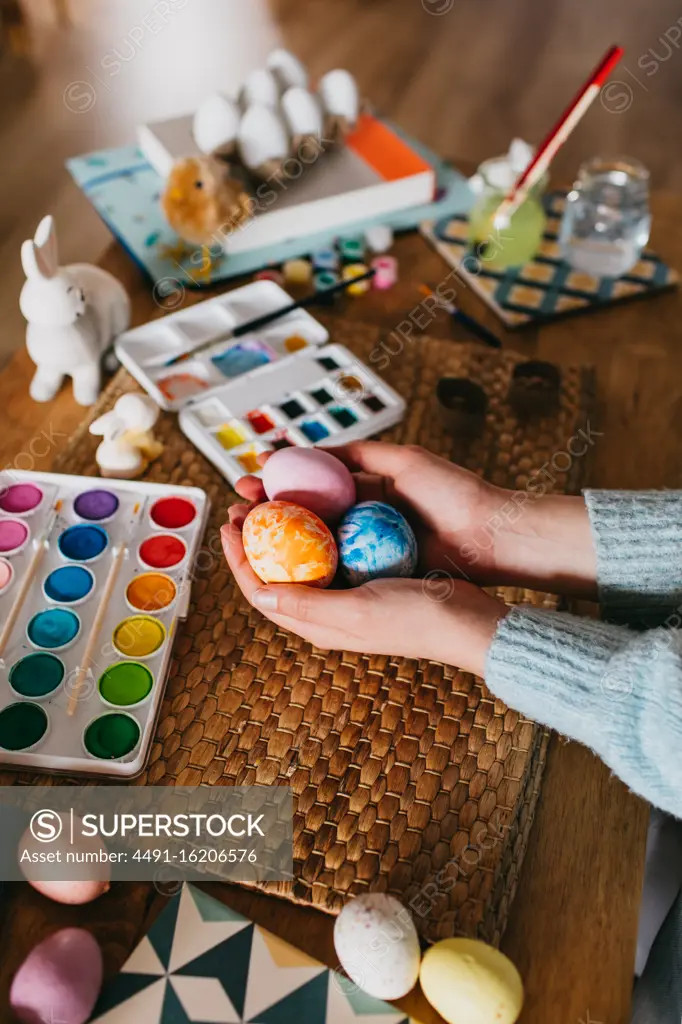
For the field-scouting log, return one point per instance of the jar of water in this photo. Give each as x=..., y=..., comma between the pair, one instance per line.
x=606, y=220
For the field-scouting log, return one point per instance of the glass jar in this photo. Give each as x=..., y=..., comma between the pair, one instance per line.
x=518, y=241
x=606, y=219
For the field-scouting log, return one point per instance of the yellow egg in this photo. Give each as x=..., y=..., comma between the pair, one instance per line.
x=285, y=543
x=469, y=982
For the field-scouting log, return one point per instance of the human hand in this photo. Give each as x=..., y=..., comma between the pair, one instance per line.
x=447, y=506
x=441, y=619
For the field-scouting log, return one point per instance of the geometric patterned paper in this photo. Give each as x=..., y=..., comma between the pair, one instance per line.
x=202, y=963
x=547, y=287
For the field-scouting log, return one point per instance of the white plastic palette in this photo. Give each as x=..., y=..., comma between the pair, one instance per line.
x=161, y=528
x=323, y=397
x=144, y=350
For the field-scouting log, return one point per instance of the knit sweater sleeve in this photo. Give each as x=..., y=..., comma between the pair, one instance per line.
x=617, y=691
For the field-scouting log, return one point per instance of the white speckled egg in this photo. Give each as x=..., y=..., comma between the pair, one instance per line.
x=376, y=942
x=262, y=137
x=287, y=69
x=467, y=980
x=215, y=125
x=260, y=90
x=302, y=112
x=339, y=95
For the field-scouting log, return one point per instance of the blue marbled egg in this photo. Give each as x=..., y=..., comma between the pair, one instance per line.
x=375, y=540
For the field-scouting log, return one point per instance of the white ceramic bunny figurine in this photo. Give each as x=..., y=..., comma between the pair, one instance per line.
x=74, y=313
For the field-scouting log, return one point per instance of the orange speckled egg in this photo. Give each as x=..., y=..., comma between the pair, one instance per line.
x=285, y=543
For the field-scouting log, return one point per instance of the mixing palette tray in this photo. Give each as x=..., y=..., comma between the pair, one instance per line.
x=145, y=350
x=115, y=555
x=323, y=397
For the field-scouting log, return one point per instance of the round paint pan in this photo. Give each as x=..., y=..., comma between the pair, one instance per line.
x=151, y=592
x=172, y=513
x=69, y=584
x=23, y=726
x=96, y=506
x=111, y=736
x=14, y=536
x=21, y=499
x=162, y=551
x=6, y=575
x=37, y=676
x=83, y=543
x=127, y=684
x=139, y=637
x=54, y=629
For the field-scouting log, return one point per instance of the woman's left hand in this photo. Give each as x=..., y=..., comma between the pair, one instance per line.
x=441, y=619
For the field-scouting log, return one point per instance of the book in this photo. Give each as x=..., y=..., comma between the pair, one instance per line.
x=125, y=189
x=547, y=287
x=374, y=174
x=201, y=961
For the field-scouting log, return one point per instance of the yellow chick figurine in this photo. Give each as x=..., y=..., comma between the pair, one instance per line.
x=203, y=203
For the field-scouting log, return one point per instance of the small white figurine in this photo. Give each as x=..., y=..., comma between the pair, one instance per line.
x=74, y=313
x=129, y=444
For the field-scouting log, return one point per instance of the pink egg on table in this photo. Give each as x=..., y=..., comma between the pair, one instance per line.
x=312, y=478
x=60, y=980
x=81, y=881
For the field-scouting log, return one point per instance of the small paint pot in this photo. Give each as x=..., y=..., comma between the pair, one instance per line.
x=297, y=271
x=352, y=271
x=14, y=536
x=23, y=726
x=270, y=274
x=352, y=250
x=70, y=585
x=54, y=629
x=83, y=543
x=111, y=736
x=325, y=259
x=379, y=238
x=386, y=272
x=323, y=281
x=151, y=592
x=21, y=499
x=172, y=513
x=139, y=637
x=126, y=684
x=6, y=575
x=462, y=405
x=535, y=388
x=96, y=506
x=37, y=677
x=162, y=551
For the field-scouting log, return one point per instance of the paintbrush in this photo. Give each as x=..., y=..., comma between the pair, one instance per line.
x=265, y=319
x=468, y=322
x=38, y=555
x=102, y=609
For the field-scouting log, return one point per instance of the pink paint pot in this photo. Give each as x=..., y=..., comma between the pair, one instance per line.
x=21, y=499
x=14, y=536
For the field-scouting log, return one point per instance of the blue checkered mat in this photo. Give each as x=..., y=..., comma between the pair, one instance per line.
x=547, y=287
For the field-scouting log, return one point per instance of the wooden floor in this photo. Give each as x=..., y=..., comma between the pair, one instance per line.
x=464, y=75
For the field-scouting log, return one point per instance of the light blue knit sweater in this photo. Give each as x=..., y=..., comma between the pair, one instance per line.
x=617, y=690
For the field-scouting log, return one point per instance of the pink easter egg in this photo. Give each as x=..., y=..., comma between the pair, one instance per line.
x=60, y=980
x=312, y=478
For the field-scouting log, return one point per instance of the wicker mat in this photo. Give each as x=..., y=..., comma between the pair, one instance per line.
x=408, y=776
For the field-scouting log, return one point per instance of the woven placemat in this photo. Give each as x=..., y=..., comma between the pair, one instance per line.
x=409, y=777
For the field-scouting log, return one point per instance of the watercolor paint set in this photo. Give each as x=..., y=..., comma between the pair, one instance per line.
x=94, y=577
x=282, y=385
x=145, y=350
x=323, y=398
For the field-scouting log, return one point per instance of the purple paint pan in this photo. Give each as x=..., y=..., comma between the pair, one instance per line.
x=97, y=506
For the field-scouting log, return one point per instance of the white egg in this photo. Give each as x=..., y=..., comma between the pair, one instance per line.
x=339, y=95
x=287, y=69
x=215, y=124
x=262, y=137
x=302, y=112
x=377, y=945
x=260, y=89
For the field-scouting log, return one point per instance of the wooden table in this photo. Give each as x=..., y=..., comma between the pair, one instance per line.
x=572, y=930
